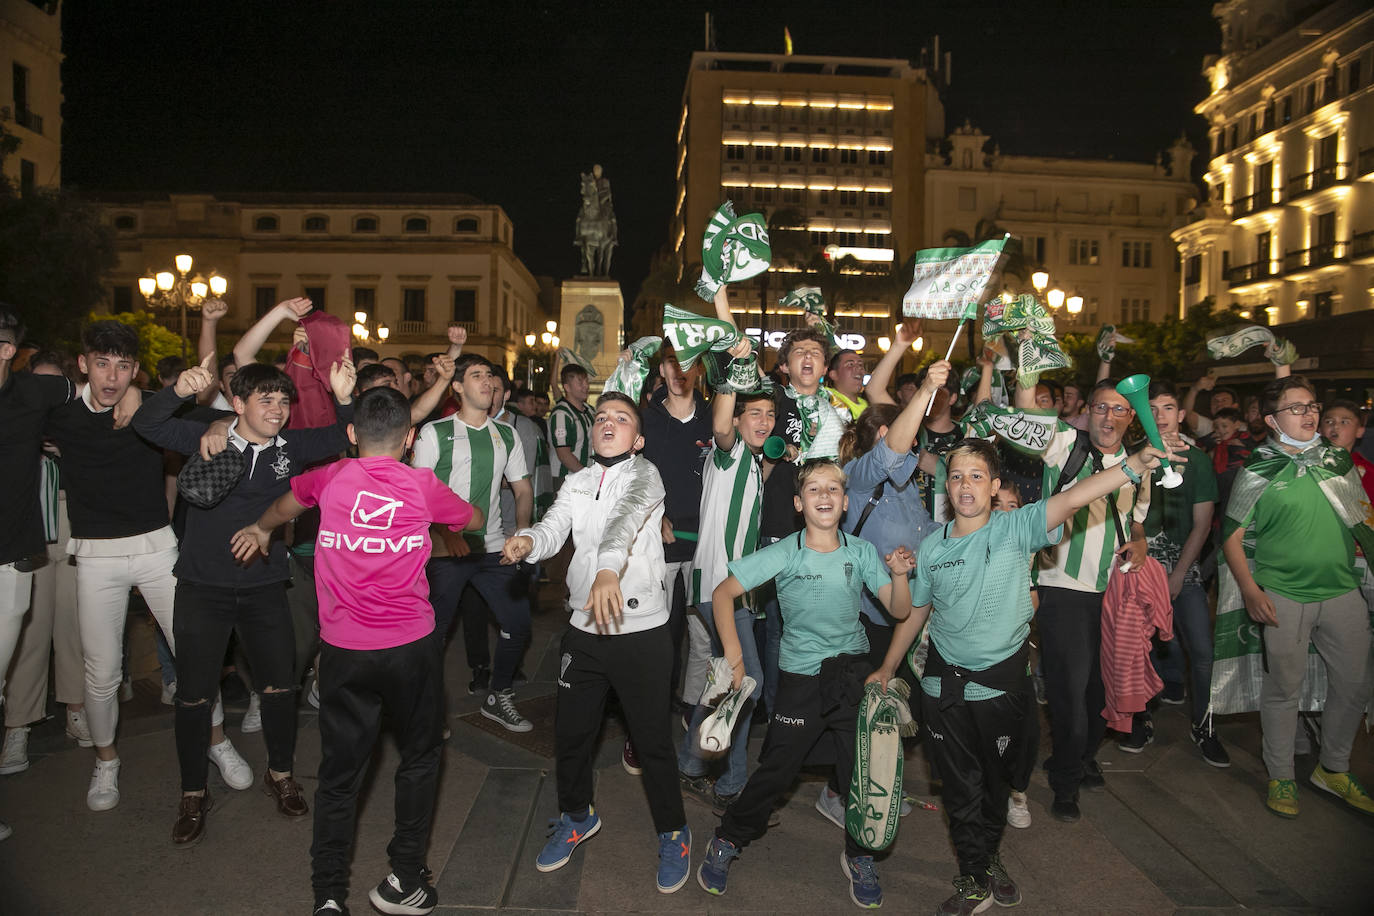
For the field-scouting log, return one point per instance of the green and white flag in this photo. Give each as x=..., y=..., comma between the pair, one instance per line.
x=1107, y=339
x=567, y=356
x=1023, y=311
x=733, y=248
x=1040, y=353
x=691, y=334
x=951, y=282
x=631, y=371
x=810, y=300
x=1238, y=341
x=1030, y=429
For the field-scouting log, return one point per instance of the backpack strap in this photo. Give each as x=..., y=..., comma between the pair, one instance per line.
x=868, y=508
x=1078, y=457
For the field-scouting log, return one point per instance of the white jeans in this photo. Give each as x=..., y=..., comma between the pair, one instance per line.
x=16, y=591
x=102, y=607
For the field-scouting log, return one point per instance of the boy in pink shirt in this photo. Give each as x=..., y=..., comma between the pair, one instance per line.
x=379, y=656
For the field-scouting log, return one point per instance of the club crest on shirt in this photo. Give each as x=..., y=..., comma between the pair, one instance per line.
x=848, y=573
x=563, y=664
x=282, y=465
x=1002, y=742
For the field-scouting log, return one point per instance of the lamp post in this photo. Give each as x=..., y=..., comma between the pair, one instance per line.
x=364, y=328
x=1055, y=297
x=534, y=343
x=180, y=290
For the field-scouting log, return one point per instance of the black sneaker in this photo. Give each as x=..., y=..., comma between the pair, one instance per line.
x=1173, y=695
x=1142, y=734
x=697, y=788
x=1066, y=809
x=481, y=681
x=1093, y=779
x=392, y=896
x=1205, y=737
x=1004, y=890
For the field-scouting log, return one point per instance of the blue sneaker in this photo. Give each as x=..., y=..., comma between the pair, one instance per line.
x=715, y=868
x=674, y=859
x=863, y=881
x=565, y=835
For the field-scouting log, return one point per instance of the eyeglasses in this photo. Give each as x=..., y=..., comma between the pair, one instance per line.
x=1101, y=408
x=1300, y=410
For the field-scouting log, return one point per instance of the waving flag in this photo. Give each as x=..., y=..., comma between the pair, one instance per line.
x=733, y=248
x=951, y=282
x=692, y=335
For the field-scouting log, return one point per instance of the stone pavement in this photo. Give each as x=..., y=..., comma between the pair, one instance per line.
x=1169, y=835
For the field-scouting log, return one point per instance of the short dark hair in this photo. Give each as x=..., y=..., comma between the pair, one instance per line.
x=362, y=353
x=52, y=358
x=1337, y=404
x=523, y=392
x=170, y=367
x=746, y=398
x=1162, y=387
x=500, y=372
x=1225, y=390
x=259, y=378
x=462, y=364
x=225, y=362
x=569, y=371
x=619, y=397
x=1275, y=390
x=374, y=374
x=405, y=366
x=835, y=360
x=981, y=449
x=1106, y=384
x=907, y=378
x=9, y=321
x=797, y=336
x=114, y=338
x=1056, y=389
x=381, y=417
x=1229, y=413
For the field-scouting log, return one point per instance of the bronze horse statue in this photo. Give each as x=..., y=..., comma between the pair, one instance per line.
x=596, y=233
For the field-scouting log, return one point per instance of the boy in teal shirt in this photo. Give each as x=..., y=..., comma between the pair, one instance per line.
x=821, y=573
x=975, y=693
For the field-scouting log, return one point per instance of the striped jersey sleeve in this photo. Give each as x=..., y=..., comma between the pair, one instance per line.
x=731, y=503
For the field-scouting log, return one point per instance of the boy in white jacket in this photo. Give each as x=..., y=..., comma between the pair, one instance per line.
x=618, y=639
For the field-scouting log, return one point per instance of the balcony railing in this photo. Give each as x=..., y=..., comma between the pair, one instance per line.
x=1248, y=273
x=1260, y=200
x=1364, y=162
x=26, y=118
x=1324, y=177
x=1316, y=256
x=412, y=328
x=1362, y=244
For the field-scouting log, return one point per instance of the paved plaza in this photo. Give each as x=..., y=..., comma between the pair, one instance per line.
x=1169, y=835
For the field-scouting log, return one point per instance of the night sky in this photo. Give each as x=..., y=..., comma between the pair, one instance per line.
x=508, y=103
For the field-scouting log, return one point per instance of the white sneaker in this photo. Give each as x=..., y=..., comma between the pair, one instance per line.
x=5, y=831
x=234, y=769
x=77, y=729
x=169, y=694
x=252, y=719
x=1018, y=812
x=104, y=791
x=831, y=806
x=15, y=757
x=313, y=697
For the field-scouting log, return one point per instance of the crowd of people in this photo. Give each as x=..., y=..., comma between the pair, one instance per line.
x=805, y=543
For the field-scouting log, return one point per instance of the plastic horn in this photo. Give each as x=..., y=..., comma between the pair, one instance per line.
x=774, y=447
x=1136, y=389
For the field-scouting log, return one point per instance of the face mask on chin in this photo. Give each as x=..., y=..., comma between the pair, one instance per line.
x=1297, y=443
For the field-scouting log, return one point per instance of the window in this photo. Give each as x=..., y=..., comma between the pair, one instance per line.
x=364, y=299
x=465, y=305
x=122, y=299
x=505, y=310
x=1192, y=271
x=1321, y=304
x=1310, y=96
x=1034, y=248
x=413, y=303
x=791, y=154
x=734, y=153
x=820, y=156
x=825, y=197
x=416, y=224
x=465, y=224
x=849, y=157
x=968, y=198
x=877, y=157
x=820, y=239
x=1263, y=242
x=1137, y=254
x=1225, y=262
x=315, y=224
x=1286, y=109
x=126, y=222
x=265, y=224
x=316, y=296
x=1352, y=76
x=1083, y=252
x=1135, y=310
x=763, y=154
x=763, y=195
x=792, y=196
x=1267, y=122
x=849, y=198
x=877, y=199
x=264, y=299
x=364, y=224
x=1231, y=136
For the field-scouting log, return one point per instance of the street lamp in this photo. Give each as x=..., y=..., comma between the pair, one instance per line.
x=1075, y=304
x=180, y=290
x=884, y=343
x=364, y=328
x=1055, y=298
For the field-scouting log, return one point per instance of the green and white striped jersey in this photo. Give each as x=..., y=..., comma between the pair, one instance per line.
x=49, y=483
x=731, y=502
x=472, y=462
x=1083, y=557
x=571, y=428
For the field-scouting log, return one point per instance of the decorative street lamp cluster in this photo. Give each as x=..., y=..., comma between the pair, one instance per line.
x=180, y=290
x=364, y=328
x=1055, y=297
x=550, y=341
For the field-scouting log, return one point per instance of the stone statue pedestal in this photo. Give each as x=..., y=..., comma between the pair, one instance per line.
x=591, y=318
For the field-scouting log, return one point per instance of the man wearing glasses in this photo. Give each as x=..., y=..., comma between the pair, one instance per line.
x=1072, y=578
x=1299, y=502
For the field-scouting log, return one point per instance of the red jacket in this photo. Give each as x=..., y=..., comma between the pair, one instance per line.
x=1135, y=605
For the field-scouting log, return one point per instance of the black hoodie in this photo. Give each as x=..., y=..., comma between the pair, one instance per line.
x=678, y=449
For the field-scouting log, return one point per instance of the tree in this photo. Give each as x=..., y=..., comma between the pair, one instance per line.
x=154, y=341
x=54, y=254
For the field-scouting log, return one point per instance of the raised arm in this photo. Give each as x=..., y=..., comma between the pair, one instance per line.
x=896, y=596
x=901, y=435
x=155, y=420
x=211, y=311
x=246, y=350
x=903, y=635
x=986, y=367
x=430, y=399
x=876, y=390
x=457, y=336
x=1060, y=507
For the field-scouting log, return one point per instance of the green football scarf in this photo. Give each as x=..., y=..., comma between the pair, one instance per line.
x=875, y=788
x=733, y=248
x=630, y=372
x=692, y=335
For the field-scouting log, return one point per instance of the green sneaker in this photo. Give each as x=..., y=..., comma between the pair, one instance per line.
x=1283, y=797
x=1345, y=786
